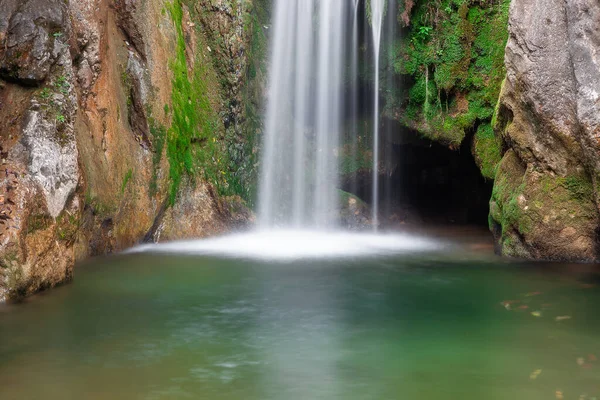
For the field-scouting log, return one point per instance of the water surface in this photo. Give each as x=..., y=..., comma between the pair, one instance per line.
x=423, y=326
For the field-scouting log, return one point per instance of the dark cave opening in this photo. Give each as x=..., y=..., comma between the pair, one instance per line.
x=424, y=182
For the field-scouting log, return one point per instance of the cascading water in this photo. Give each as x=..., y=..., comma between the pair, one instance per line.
x=377, y=13
x=298, y=196
x=299, y=166
x=354, y=92
x=299, y=176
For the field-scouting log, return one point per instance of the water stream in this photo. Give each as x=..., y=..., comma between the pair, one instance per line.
x=377, y=13
x=299, y=178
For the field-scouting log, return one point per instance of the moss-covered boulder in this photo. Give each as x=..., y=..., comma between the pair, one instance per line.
x=542, y=215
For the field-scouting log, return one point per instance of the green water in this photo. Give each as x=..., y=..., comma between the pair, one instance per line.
x=426, y=327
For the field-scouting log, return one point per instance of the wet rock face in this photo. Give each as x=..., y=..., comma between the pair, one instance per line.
x=126, y=11
x=39, y=208
x=545, y=202
x=28, y=33
x=85, y=106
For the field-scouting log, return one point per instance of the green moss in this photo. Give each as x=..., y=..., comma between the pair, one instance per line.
x=191, y=139
x=509, y=185
x=126, y=180
x=579, y=188
x=453, y=55
x=487, y=150
x=198, y=143
x=530, y=205
x=159, y=136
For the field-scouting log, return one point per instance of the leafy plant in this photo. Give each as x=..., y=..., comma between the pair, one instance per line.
x=423, y=33
x=126, y=180
x=45, y=93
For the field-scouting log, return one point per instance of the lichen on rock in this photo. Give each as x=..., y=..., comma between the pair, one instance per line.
x=545, y=194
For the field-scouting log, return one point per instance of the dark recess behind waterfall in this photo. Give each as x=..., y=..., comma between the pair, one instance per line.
x=421, y=181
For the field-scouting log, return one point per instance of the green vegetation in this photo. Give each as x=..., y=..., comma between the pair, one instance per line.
x=192, y=138
x=527, y=205
x=126, y=180
x=45, y=93
x=98, y=207
x=67, y=226
x=62, y=85
x=579, y=188
x=38, y=222
x=487, y=150
x=253, y=95
x=159, y=136
x=454, y=54
x=509, y=213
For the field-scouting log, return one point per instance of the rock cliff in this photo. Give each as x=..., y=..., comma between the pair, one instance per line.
x=105, y=110
x=545, y=198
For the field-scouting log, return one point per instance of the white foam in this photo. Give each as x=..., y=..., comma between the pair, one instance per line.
x=287, y=245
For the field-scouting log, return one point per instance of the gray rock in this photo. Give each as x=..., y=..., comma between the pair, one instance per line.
x=52, y=164
x=28, y=42
x=544, y=203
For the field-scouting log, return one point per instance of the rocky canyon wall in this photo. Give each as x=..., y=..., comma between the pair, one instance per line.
x=545, y=199
x=117, y=124
x=529, y=106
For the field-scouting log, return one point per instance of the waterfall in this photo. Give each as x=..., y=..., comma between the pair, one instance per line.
x=299, y=174
x=354, y=93
x=377, y=12
x=303, y=119
x=390, y=163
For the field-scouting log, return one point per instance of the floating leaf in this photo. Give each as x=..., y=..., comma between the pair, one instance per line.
x=507, y=304
x=563, y=318
x=534, y=375
x=536, y=314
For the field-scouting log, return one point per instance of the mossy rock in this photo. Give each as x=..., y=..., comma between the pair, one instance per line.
x=452, y=60
x=537, y=214
x=487, y=150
